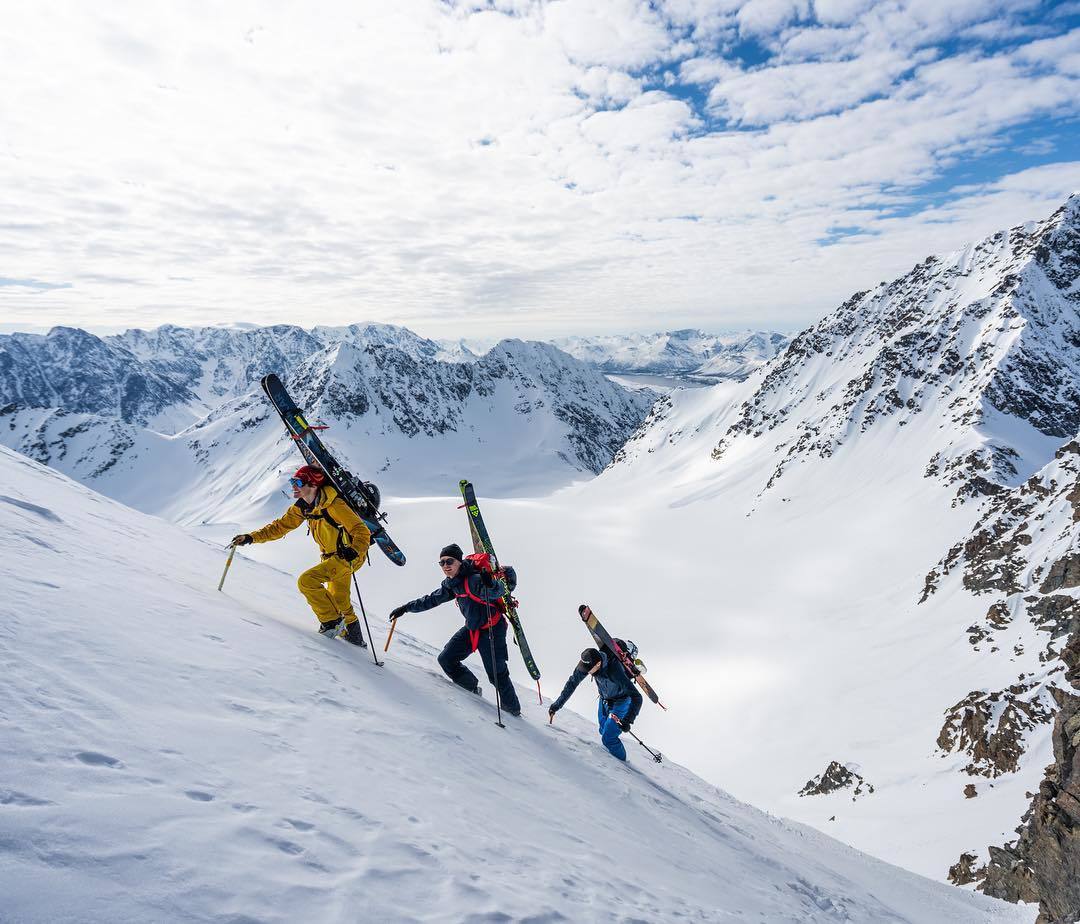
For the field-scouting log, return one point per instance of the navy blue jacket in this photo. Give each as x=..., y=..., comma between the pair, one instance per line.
x=476, y=614
x=612, y=683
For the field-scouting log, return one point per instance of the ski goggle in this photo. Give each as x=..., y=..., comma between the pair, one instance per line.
x=297, y=482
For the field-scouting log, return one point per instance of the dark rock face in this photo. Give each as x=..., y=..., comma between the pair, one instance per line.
x=835, y=777
x=1043, y=864
x=1065, y=572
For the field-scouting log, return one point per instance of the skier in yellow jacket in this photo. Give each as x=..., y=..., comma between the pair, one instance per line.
x=343, y=540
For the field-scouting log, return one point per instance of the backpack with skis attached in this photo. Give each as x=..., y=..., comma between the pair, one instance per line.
x=362, y=496
x=635, y=666
x=622, y=650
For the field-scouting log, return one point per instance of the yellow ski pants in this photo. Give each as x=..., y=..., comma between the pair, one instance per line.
x=327, y=588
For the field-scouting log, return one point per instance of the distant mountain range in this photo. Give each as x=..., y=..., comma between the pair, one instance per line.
x=119, y=411
x=680, y=352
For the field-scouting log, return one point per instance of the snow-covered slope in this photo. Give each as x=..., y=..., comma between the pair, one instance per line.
x=171, y=753
x=679, y=352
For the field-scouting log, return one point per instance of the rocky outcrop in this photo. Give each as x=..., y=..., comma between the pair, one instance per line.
x=964, y=871
x=991, y=727
x=835, y=777
x=1065, y=572
x=1043, y=864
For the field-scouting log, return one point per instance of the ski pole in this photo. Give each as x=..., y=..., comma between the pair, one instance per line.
x=228, y=562
x=656, y=755
x=393, y=626
x=495, y=678
x=363, y=612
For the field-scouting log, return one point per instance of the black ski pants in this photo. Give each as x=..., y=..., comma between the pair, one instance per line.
x=460, y=647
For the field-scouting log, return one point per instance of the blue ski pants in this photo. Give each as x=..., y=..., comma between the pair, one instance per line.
x=609, y=730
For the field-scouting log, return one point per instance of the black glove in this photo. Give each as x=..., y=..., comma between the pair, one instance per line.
x=397, y=612
x=487, y=579
x=242, y=539
x=348, y=554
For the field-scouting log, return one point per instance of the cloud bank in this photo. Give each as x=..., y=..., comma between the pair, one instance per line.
x=515, y=167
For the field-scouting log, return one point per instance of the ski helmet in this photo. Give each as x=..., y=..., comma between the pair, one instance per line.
x=311, y=475
x=374, y=495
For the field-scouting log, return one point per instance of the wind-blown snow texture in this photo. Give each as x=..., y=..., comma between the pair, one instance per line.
x=171, y=753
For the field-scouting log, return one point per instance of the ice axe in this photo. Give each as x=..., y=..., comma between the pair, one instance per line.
x=232, y=552
x=393, y=626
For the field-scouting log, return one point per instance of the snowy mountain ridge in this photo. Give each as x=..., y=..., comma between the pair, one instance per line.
x=249, y=769
x=986, y=337
x=386, y=390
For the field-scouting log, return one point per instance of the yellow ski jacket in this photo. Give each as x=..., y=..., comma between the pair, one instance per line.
x=332, y=523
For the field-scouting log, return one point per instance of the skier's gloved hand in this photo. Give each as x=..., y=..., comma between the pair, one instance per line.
x=487, y=579
x=397, y=612
x=242, y=539
x=348, y=554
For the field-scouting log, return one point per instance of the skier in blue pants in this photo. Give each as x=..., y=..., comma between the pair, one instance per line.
x=619, y=703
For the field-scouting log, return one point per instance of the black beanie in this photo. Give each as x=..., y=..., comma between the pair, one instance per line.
x=589, y=657
x=453, y=550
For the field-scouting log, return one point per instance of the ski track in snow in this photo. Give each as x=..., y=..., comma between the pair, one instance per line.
x=171, y=753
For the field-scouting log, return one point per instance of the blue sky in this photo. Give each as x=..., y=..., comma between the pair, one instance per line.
x=516, y=167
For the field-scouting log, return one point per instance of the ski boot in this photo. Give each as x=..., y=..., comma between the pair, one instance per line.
x=332, y=628
x=353, y=635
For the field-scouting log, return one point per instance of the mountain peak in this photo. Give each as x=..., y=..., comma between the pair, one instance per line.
x=985, y=338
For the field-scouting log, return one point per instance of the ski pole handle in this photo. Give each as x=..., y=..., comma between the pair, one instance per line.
x=228, y=562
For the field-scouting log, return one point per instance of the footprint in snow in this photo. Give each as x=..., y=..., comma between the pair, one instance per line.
x=198, y=796
x=94, y=759
x=299, y=825
x=285, y=846
x=11, y=797
x=44, y=512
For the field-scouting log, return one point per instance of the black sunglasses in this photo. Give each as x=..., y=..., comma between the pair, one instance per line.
x=446, y=562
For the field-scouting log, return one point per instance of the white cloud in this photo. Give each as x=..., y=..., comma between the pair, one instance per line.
x=760, y=17
x=506, y=168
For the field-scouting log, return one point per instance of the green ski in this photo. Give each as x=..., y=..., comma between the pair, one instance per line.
x=482, y=543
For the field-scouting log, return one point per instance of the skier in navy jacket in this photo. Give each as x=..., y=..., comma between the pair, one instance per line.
x=478, y=594
x=619, y=703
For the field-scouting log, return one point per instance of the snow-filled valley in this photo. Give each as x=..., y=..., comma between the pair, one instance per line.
x=172, y=753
